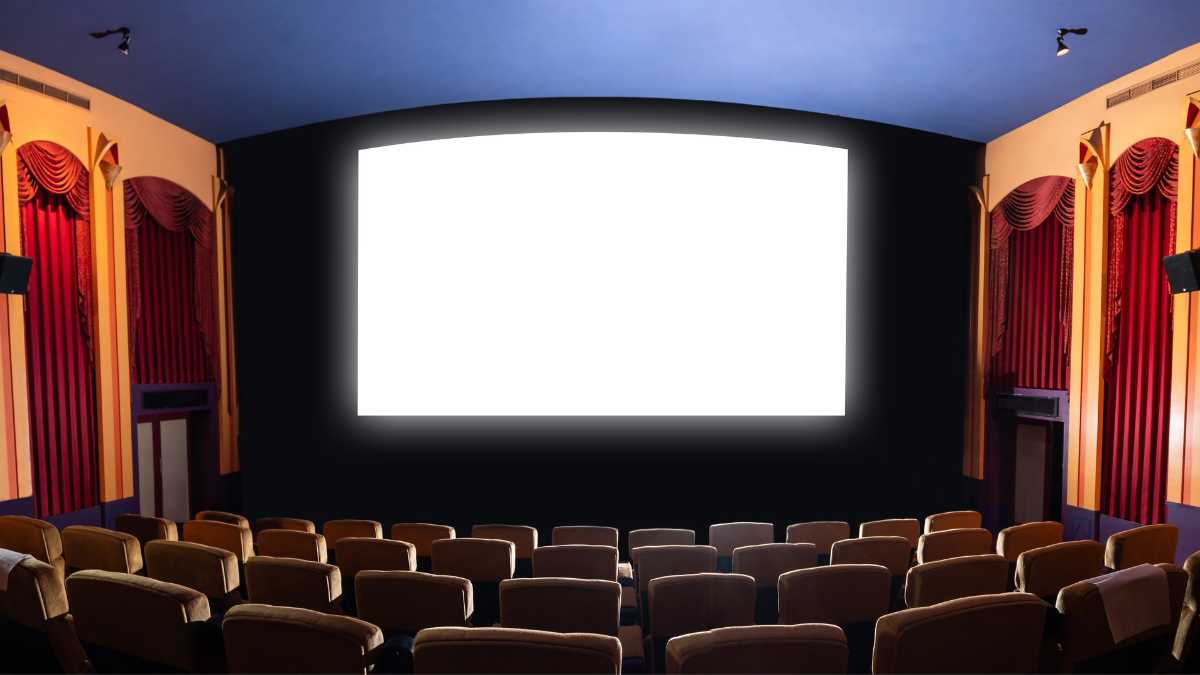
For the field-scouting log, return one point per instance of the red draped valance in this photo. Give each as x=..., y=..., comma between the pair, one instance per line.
x=42, y=165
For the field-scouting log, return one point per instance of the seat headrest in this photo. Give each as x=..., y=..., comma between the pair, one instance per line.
x=807, y=648
x=1139, y=598
x=728, y=536
x=822, y=534
x=514, y=650
x=292, y=583
x=561, y=605
x=479, y=560
x=686, y=603
x=147, y=528
x=355, y=554
x=661, y=536
x=35, y=594
x=30, y=535
x=422, y=535
x=224, y=517
x=1015, y=540
x=523, y=537
x=580, y=561
x=942, y=544
x=97, y=548
x=765, y=562
x=237, y=540
x=839, y=594
x=298, y=524
x=210, y=570
x=594, y=535
x=909, y=528
x=933, y=582
x=263, y=639
x=293, y=544
x=890, y=551
x=1046, y=570
x=953, y=520
x=1146, y=544
x=405, y=602
x=336, y=530
x=659, y=561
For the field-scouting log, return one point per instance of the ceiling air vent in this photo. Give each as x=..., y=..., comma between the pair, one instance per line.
x=1150, y=85
x=43, y=88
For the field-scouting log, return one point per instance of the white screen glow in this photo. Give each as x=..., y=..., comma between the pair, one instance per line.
x=606, y=273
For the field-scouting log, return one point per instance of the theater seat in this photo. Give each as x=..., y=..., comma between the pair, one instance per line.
x=130, y=623
x=1046, y=570
x=942, y=544
x=981, y=634
x=578, y=561
x=355, y=554
x=523, y=537
x=1186, y=647
x=941, y=580
x=336, y=530
x=660, y=536
x=508, y=651
x=224, y=517
x=147, y=528
x=765, y=563
x=296, y=544
x=266, y=639
x=403, y=603
x=594, y=535
x=1015, y=540
x=1146, y=544
x=35, y=537
x=210, y=570
x=727, y=536
x=485, y=562
x=687, y=603
x=96, y=548
x=422, y=536
x=909, y=528
x=852, y=597
x=237, y=540
x=890, y=551
x=806, y=648
x=953, y=520
x=652, y=562
x=37, y=634
x=297, y=524
x=822, y=534
x=289, y=582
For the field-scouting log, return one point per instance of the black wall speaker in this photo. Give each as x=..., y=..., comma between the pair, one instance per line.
x=1182, y=272
x=14, y=273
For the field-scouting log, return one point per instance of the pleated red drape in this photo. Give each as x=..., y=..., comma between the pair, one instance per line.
x=62, y=393
x=1137, y=403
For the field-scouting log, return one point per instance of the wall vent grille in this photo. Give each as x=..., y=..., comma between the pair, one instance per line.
x=1147, y=86
x=43, y=88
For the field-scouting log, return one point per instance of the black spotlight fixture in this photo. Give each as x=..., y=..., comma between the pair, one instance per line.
x=1063, y=32
x=123, y=47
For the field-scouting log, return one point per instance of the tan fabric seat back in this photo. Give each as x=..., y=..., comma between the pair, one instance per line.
x=237, y=540
x=953, y=520
x=210, y=570
x=265, y=639
x=406, y=602
x=943, y=544
x=507, y=651
x=766, y=562
x=480, y=560
x=1150, y=544
x=224, y=517
x=35, y=537
x=838, y=594
x=35, y=594
x=660, y=561
x=891, y=552
x=293, y=583
x=987, y=633
x=578, y=561
x=686, y=603
x=524, y=537
x=933, y=582
x=728, y=536
x=1046, y=570
x=1015, y=540
x=147, y=528
x=909, y=528
x=336, y=530
x=297, y=524
x=1086, y=632
x=593, y=535
x=1188, y=634
x=807, y=648
x=293, y=544
x=422, y=535
x=561, y=605
x=660, y=536
x=155, y=617
x=821, y=534
x=355, y=554
x=96, y=548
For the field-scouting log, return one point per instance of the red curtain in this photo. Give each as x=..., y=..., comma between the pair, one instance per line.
x=1137, y=403
x=62, y=395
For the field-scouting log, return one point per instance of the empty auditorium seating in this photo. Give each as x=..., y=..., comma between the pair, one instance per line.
x=210, y=570
x=821, y=534
x=981, y=634
x=660, y=536
x=652, y=562
x=37, y=634
x=909, y=528
x=891, y=552
x=265, y=639
x=402, y=603
x=806, y=648
x=1146, y=544
x=953, y=520
x=765, y=563
x=561, y=605
x=355, y=554
x=933, y=582
x=1015, y=540
x=727, y=536
x=237, y=540
x=686, y=603
x=336, y=530
x=579, y=561
x=293, y=583
x=422, y=536
x=524, y=537
x=297, y=524
x=1046, y=570
x=35, y=537
x=292, y=544
x=485, y=562
x=130, y=623
x=942, y=544
x=1186, y=649
x=852, y=597
x=147, y=528
x=96, y=548
x=224, y=517
x=595, y=535
x=513, y=650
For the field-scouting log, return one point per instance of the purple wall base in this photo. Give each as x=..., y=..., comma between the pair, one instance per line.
x=1078, y=523
x=1187, y=519
x=17, y=507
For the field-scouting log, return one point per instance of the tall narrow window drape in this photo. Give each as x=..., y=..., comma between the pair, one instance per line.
x=1137, y=373
x=55, y=232
x=1030, y=285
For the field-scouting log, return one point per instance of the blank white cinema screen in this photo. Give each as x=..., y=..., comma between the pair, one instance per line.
x=606, y=273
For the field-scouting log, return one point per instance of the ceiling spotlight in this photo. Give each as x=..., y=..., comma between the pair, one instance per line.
x=1063, y=32
x=123, y=47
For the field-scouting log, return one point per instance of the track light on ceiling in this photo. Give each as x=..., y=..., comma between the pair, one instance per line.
x=1063, y=32
x=123, y=47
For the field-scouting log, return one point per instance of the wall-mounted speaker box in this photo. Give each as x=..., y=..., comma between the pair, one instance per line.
x=1182, y=272
x=14, y=273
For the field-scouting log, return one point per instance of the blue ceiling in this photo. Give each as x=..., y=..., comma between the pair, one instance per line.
x=231, y=68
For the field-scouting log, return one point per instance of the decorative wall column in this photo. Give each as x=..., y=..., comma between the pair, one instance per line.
x=978, y=341
x=1088, y=295
x=227, y=400
x=1183, y=469
x=16, y=477
x=111, y=328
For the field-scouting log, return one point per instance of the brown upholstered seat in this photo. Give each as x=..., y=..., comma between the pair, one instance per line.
x=293, y=583
x=578, y=561
x=821, y=534
x=402, y=603
x=981, y=634
x=1046, y=570
x=224, y=517
x=486, y=562
x=686, y=603
x=292, y=544
x=561, y=605
x=147, y=528
x=524, y=537
x=96, y=548
x=941, y=580
x=953, y=520
x=160, y=624
x=1146, y=544
x=850, y=596
x=909, y=528
x=297, y=524
x=210, y=570
x=422, y=535
x=513, y=650
x=265, y=639
x=727, y=536
x=38, y=538
x=355, y=554
x=652, y=562
x=806, y=648
x=1015, y=540
x=595, y=535
x=660, y=536
x=336, y=530
x=237, y=540
x=36, y=632
x=1186, y=647
x=766, y=562
x=942, y=544
x=891, y=552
